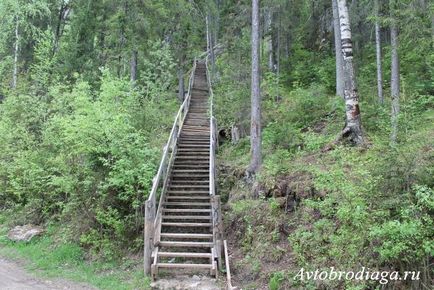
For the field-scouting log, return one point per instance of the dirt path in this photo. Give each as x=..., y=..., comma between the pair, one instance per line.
x=13, y=277
x=186, y=283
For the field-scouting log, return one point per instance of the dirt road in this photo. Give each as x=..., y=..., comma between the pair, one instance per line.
x=13, y=277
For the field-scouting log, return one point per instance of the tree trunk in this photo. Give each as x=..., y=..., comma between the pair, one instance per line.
x=235, y=134
x=269, y=36
x=16, y=48
x=62, y=16
x=255, y=125
x=181, y=87
x=338, y=52
x=278, y=45
x=134, y=66
x=209, y=41
x=394, y=75
x=353, y=127
x=378, y=50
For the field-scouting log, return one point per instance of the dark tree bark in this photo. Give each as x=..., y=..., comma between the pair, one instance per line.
x=255, y=124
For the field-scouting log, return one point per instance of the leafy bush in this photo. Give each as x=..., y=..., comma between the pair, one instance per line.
x=83, y=156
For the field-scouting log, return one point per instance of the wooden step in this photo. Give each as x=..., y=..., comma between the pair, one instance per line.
x=184, y=255
x=186, y=127
x=188, y=191
x=189, y=197
x=186, y=236
x=187, y=203
x=201, y=144
x=189, y=194
x=191, y=266
x=186, y=244
x=192, y=158
x=187, y=210
x=194, y=134
x=190, y=181
x=189, y=176
x=188, y=186
x=193, y=153
x=190, y=171
x=194, y=145
x=194, y=150
x=203, y=166
x=187, y=217
x=197, y=121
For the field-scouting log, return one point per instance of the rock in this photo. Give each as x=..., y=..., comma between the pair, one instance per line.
x=24, y=233
x=186, y=283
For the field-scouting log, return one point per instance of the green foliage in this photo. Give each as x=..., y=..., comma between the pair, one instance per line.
x=158, y=72
x=276, y=280
x=408, y=237
x=82, y=156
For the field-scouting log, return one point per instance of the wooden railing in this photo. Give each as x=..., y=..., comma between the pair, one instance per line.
x=228, y=267
x=215, y=199
x=219, y=243
x=153, y=213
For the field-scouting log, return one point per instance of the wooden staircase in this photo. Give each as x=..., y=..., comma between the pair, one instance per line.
x=185, y=231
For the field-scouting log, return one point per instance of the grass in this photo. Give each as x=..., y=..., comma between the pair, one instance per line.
x=46, y=258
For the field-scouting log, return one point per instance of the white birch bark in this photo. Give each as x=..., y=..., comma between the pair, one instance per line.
x=395, y=90
x=378, y=54
x=255, y=125
x=338, y=52
x=353, y=128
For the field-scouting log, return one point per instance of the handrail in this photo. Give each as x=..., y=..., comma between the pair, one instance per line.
x=212, y=132
x=176, y=124
x=219, y=243
x=152, y=213
x=228, y=268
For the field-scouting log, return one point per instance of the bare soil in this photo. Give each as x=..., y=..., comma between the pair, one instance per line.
x=14, y=277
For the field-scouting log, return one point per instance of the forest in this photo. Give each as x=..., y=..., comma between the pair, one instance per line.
x=325, y=124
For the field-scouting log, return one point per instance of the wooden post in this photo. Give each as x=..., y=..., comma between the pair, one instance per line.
x=219, y=232
x=217, y=228
x=228, y=268
x=149, y=235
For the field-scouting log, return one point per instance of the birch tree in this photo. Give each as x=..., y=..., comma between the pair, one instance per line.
x=16, y=23
x=394, y=82
x=338, y=51
x=378, y=53
x=353, y=127
x=255, y=124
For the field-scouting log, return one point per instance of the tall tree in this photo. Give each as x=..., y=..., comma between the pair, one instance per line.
x=338, y=51
x=255, y=124
x=18, y=23
x=269, y=32
x=16, y=51
x=394, y=82
x=353, y=126
x=378, y=53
